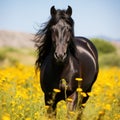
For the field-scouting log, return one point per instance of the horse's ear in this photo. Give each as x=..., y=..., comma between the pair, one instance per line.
x=69, y=11
x=52, y=11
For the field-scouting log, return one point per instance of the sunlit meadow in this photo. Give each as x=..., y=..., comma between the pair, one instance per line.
x=22, y=99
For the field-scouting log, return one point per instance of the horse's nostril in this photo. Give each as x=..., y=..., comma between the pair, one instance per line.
x=55, y=55
x=65, y=54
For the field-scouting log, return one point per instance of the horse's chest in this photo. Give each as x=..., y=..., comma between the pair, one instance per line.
x=59, y=77
x=68, y=78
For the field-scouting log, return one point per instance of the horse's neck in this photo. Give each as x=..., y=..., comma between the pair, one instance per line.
x=70, y=62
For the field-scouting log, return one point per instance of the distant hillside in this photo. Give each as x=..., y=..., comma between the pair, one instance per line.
x=20, y=39
x=16, y=39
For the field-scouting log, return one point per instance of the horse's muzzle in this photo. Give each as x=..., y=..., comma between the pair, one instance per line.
x=60, y=57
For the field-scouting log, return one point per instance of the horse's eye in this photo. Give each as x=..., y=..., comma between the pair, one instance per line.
x=52, y=29
x=69, y=29
x=68, y=41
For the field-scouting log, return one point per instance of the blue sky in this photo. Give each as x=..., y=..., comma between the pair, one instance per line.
x=92, y=17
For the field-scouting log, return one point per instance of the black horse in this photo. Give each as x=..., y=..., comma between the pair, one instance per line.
x=62, y=58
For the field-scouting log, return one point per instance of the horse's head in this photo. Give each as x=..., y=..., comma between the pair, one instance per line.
x=61, y=32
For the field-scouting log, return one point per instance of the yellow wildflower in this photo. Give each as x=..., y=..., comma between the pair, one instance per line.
x=47, y=106
x=90, y=93
x=28, y=118
x=101, y=112
x=56, y=90
x=13, y=103
x=107, y=107
x=69, y=99
x=20, y=107
x=13, y=109
x=64, y=107
x=6, y=116
x=64, y=81
x=79, y=89
x=78, y=79
x=84, y=105
x=83, y=94
x=37, y=113
x=71, y=112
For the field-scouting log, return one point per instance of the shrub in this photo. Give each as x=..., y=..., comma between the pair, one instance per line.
x=112, y=59
x=103, y=46
x=2, y=56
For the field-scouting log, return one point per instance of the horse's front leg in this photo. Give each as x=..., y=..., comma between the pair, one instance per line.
x=50, y=104
x=74, y=102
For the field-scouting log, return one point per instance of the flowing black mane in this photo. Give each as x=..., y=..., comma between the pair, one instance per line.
x=43, y=36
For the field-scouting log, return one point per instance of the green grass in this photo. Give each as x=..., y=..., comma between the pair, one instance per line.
x=10, y=56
